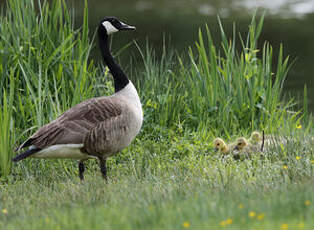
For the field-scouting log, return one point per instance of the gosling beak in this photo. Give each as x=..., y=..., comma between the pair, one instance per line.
x=126, y=27
x=216, y=149
x=236, y=148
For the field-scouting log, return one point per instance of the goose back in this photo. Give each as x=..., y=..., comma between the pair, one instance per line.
x=104, y=125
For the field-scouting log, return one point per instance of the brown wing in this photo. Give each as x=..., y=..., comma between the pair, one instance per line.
x=72, y=126
x=105, y=137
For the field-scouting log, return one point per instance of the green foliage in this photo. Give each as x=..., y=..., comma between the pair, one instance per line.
x=170, y=174
x=161, y=184
x=46, y=61
x=219, y=88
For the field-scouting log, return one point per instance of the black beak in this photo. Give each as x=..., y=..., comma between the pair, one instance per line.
x=215, y=149
x=236, y=148
x=126, y=27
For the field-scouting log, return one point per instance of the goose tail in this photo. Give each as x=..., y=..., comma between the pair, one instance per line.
x=25, y=154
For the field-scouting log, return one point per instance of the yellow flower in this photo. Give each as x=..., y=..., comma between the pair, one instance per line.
x=284, y=226
x=229, y=221
x=298, y=157
x=186, y=224
x=4, y=211
x=312, y=161
x=307, y=202
x=240, y=206
x=299, y=127
x=301, y=225
x=285, y=167
x=261, y=216
x=252, y=214
x=223, y=223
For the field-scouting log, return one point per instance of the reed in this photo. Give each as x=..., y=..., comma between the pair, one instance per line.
x=47, y=62
x=223, y=88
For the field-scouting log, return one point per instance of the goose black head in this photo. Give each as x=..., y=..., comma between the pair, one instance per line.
x=112, y=25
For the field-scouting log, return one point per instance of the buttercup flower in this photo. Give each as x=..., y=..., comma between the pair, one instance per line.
x=186, y=224
x=284, y=226
x=252, y=214
x=261, y=216
x=229, y=221
x=4, y=211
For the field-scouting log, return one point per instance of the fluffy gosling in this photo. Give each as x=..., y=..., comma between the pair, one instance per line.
x=242, y=148
x=221, y=146
x=256, y=138
x=242, y=144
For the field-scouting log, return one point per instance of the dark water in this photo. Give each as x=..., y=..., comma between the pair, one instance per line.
x=290, y=22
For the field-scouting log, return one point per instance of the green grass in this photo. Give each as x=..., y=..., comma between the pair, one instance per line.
x=170, y=177
x=155, y=185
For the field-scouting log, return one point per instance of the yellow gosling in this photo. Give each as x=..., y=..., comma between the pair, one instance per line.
x=241, y=148
x=256, y=138
x=221, y=146
x=242, y=144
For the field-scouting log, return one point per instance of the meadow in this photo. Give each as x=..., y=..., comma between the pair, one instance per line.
x=170, y=177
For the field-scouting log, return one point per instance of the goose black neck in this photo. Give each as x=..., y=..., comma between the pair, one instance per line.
x=120, y=79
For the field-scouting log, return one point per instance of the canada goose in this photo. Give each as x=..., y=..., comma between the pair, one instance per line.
x=242, y=144
x=221, y=146
x=242, y=148
x=95, y=128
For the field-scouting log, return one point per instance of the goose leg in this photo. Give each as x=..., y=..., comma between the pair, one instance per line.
x=81, y=167
x=103, y=167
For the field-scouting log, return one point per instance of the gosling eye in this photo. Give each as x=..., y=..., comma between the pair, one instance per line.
x=218, y=144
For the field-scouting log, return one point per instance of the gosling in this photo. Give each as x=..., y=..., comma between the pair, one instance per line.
x=242, y=144
x=256, y=139
x=221, y=146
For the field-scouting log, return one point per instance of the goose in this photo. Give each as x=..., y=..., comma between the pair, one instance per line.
x=256, y=138
x=242, y=144
x=242, y=147
x=98, y=127
x=220, y=145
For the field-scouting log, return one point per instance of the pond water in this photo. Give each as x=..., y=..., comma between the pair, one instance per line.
x=289, y=22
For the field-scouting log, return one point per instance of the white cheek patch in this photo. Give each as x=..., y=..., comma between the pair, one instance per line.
x=109, y=27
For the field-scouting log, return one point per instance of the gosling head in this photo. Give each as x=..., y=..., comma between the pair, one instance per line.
x=220, y=145
x=110, y=25
x=241, y=143
x=256, y=137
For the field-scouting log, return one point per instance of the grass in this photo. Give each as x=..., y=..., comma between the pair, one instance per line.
x=169, y=177
x=149, y=189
